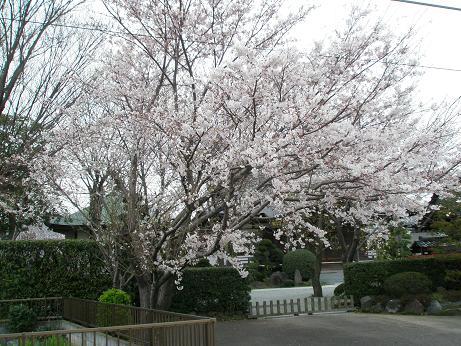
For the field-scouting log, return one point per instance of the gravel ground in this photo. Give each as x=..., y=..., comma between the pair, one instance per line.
x=342, y=329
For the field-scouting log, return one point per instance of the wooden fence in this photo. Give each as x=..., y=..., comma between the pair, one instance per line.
x=45, y=308
x=113, y=325
x=300, y=306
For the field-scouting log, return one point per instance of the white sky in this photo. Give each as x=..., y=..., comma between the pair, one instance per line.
x=438, y=29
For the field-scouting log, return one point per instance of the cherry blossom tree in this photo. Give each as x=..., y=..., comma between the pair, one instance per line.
x=203, y=114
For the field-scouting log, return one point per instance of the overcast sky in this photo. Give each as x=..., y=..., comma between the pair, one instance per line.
x=438, y=30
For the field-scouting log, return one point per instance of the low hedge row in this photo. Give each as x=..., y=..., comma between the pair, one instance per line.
x=52, y=268
x=213, y=289
x=367, y=278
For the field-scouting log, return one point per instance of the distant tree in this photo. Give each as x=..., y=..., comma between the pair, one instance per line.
x=42, y=64
x=447, y=219
x=268, y=255
x=397, y=244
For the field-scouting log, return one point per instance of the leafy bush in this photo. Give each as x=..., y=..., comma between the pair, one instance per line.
x=115, y=296
x=215, y=290
x=452, y=296
x=288, y=283
x=453, y=279
x=339, y=290
x=54, y=340
x=21, y=319
x=110, y=315
x=203, y=262
x=423, y=298
x=52, y=268
x=300, y=259
x=367, y=278
x=400, y=284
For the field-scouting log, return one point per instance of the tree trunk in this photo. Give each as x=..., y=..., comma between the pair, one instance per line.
x=353, y=246
x=316, y=284
x=145, y=291
x=165, y=294
x=318, y=251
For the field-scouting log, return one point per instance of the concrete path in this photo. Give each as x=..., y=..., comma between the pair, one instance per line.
x=294, y=293
x=342, y=329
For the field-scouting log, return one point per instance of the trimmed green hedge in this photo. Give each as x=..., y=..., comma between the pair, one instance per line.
x=367, y=278
x=212, y=290
x=301, y=259
x=400, y=284
x=52, y=268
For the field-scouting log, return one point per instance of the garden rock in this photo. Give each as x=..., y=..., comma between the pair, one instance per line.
x=414, y=307
x=366, y=303
x=393, y=306
x=278, y=278
x=298, y=278
x=434, y=307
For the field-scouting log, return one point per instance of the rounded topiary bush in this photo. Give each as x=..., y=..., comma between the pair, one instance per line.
x=339, y=290
x=407, y=283
x=300, y=259
x=21, y=319
x=115, y=296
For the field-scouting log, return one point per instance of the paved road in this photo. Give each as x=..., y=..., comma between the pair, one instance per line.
x=342, y=329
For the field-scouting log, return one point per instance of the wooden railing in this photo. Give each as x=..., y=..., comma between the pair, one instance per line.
x=180, y=333
x=45, y=308
x=300, y=306
x=91, y=313
x=114, y=325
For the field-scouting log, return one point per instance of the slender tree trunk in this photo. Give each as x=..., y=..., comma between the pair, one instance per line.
x=353, y=246
x=318, y=251
x=316, y=284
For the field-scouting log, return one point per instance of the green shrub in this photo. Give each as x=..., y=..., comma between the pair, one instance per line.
x=203, y=262
x=45, y=341
x=453, y=279
x=52, y=268
x=300, y=259
x=400, y=284
x=115, y=296
x=110, y=315
x=423, y=298
x=288, y=283
x=339, y=290
x=452, y=296
x=21, y=319
x=212, y=290
x=367, y=278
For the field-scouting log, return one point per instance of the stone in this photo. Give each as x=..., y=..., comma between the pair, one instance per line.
x=393, y=306
x=298, y=278
x=366, y=303
x=434, y=307
x=414, y=307
x=278, y=278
